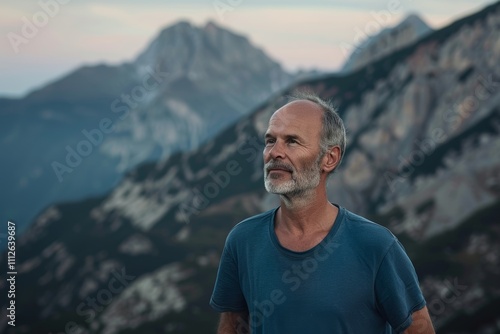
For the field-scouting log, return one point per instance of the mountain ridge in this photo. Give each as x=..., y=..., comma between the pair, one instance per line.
x=161, y=224
x=154, y=109
x=388, y=40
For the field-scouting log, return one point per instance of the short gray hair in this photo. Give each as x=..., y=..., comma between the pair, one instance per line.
x=333, y=131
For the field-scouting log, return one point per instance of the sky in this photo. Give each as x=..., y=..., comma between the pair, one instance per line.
x=42, y=40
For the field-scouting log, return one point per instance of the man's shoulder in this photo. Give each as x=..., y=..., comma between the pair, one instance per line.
x=367, y=232
x=250, y=225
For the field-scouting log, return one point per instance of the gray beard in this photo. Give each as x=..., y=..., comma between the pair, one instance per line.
x=299, y=184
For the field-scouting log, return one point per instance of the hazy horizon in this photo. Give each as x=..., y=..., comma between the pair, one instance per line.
x=298, y=36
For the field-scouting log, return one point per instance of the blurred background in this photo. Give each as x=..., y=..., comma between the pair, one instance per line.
x=131, y=137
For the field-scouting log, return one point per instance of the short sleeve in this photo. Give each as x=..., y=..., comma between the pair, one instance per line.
x=397, y=290
x=227, y=295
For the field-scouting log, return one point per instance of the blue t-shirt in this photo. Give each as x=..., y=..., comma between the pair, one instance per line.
x=357, y=280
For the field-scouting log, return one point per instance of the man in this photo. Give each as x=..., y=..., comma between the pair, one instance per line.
x=310, y=266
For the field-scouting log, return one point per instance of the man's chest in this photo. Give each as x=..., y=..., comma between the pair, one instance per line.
x=327, y=283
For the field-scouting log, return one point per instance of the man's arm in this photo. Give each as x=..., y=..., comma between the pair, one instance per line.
x=421, y=323
x=233, y=323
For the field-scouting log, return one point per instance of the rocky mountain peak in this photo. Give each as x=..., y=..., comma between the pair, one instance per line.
x=414, y=20
x=422, y=159
x=211, y=26
x=188, y=84
x=205, y=53
x=409, y=30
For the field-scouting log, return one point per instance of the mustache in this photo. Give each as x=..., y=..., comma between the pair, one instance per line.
x=278, y=165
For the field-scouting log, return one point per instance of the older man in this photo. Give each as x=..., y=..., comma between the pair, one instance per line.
x=310, y=266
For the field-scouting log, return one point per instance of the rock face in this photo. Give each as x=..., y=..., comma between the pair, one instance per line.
x=77, y=136
x=423, y=141
x=388, y=40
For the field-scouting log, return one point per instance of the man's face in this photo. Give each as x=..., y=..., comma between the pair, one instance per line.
x=292, y=161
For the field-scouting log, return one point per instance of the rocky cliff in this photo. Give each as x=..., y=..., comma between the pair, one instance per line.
x=77, y=136
x=370, y=48
x=423, y=140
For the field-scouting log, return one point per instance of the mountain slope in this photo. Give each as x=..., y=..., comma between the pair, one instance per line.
x=422, y=159
x=77, y=136
x=386, y=41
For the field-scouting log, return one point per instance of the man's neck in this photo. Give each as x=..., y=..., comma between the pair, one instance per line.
x=306, y=214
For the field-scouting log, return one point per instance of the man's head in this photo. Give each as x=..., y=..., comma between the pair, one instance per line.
x=305, y=142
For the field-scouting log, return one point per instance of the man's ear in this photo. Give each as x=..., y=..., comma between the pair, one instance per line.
x=331, y=159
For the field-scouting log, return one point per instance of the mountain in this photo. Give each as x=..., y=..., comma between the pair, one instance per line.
x=388, y=40
x=78, y=135
x=422, y=159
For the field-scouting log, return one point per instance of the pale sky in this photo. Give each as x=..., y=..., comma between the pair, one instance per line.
x=298, y=34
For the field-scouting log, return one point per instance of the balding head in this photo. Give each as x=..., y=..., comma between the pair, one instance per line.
x=295, y=158
x=333, y=131
x=301, y=117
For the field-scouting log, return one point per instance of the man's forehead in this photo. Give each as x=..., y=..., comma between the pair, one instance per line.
x=297, y=113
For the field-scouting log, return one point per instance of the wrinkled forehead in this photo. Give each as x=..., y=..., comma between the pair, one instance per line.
x=300, y=115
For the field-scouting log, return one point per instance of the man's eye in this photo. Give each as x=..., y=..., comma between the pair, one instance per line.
x=292, y=141
x=269, y=141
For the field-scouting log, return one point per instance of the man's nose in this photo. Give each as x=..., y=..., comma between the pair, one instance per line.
x=277, y=150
